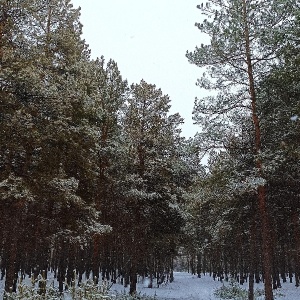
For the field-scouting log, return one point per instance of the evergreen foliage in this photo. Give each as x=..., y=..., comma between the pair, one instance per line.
x=90, y=167
x=239, y=208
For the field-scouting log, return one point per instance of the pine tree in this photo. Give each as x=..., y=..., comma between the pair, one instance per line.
x=246, y=38
x=45, y=143
x=152, y=137
x=106, y=94
x=280, y=91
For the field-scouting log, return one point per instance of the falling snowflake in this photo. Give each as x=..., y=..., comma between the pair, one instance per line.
x=294, y=118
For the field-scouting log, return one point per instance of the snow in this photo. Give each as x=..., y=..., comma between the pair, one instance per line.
x=184, y=286
x=189, y=287
x=294, y=118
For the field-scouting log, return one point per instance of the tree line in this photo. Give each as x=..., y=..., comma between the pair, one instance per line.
x=92, y=169
x=245, y=210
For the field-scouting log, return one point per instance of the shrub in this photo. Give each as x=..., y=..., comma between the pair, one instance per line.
x=86, y=291
x=234, y=291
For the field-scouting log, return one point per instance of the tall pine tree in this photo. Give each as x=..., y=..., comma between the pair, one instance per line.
x=246, y=38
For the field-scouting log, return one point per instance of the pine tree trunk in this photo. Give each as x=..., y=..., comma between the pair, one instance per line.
x=11, y=265
x=3, y=23
x=262, y=199
x=199, y=265
x=282, y=262
x=95, y=259
x=296, y=225
x=133, y=281
x=61, y=272
x=276, y=278
x=252, y=258
x=267, y=265
x=1, y=41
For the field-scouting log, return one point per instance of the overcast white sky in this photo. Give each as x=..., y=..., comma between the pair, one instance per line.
x=148, y=40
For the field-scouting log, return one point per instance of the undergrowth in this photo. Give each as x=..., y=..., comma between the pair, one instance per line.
x=40, y=289
x=234, y=292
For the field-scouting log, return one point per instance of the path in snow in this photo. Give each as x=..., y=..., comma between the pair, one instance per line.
x=185, y=287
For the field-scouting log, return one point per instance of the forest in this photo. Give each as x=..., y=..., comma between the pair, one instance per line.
x=96, y=180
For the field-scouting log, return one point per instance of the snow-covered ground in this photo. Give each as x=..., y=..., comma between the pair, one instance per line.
x=189, y=287
x=185, y=286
